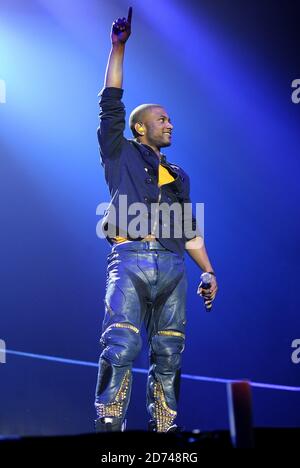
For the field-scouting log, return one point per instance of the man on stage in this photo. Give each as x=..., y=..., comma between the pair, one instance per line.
x=146, y=276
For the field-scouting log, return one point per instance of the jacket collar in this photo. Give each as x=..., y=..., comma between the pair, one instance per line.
x=146, y=148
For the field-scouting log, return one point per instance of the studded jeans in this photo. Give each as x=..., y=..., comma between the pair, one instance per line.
x=146, y=283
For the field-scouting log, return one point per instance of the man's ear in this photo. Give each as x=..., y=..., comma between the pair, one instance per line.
x=139, y=128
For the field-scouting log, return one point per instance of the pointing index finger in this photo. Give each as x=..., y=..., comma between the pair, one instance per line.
x=129, y=15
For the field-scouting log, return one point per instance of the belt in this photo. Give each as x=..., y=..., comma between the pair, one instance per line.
x=139, y=245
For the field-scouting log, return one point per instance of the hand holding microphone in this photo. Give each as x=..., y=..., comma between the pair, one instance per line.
x=208, y=289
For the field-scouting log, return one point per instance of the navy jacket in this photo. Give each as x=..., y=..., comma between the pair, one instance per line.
x=131, y=169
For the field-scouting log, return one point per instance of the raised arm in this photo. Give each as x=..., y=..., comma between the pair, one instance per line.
x=112, y=110
x=120, y=32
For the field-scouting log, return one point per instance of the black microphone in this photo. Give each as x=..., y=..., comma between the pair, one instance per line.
x=206, y=283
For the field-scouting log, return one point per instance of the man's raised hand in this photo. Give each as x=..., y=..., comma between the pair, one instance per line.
x=121, y=29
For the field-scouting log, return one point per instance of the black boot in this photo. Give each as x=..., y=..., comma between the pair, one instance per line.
x=110, y=424
x=152, y=426
x=174, y=428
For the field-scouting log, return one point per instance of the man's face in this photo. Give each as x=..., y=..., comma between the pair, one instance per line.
x=158, y=127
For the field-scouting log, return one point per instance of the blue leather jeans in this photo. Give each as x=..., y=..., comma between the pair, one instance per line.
x=146, y=283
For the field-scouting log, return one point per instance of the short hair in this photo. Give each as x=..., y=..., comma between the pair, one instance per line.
x=138, y=114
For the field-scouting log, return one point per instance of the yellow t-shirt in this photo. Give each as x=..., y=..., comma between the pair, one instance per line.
x=164, y=177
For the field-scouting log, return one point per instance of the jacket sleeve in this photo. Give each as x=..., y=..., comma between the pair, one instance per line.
x=112, y=123
x=190, y=224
